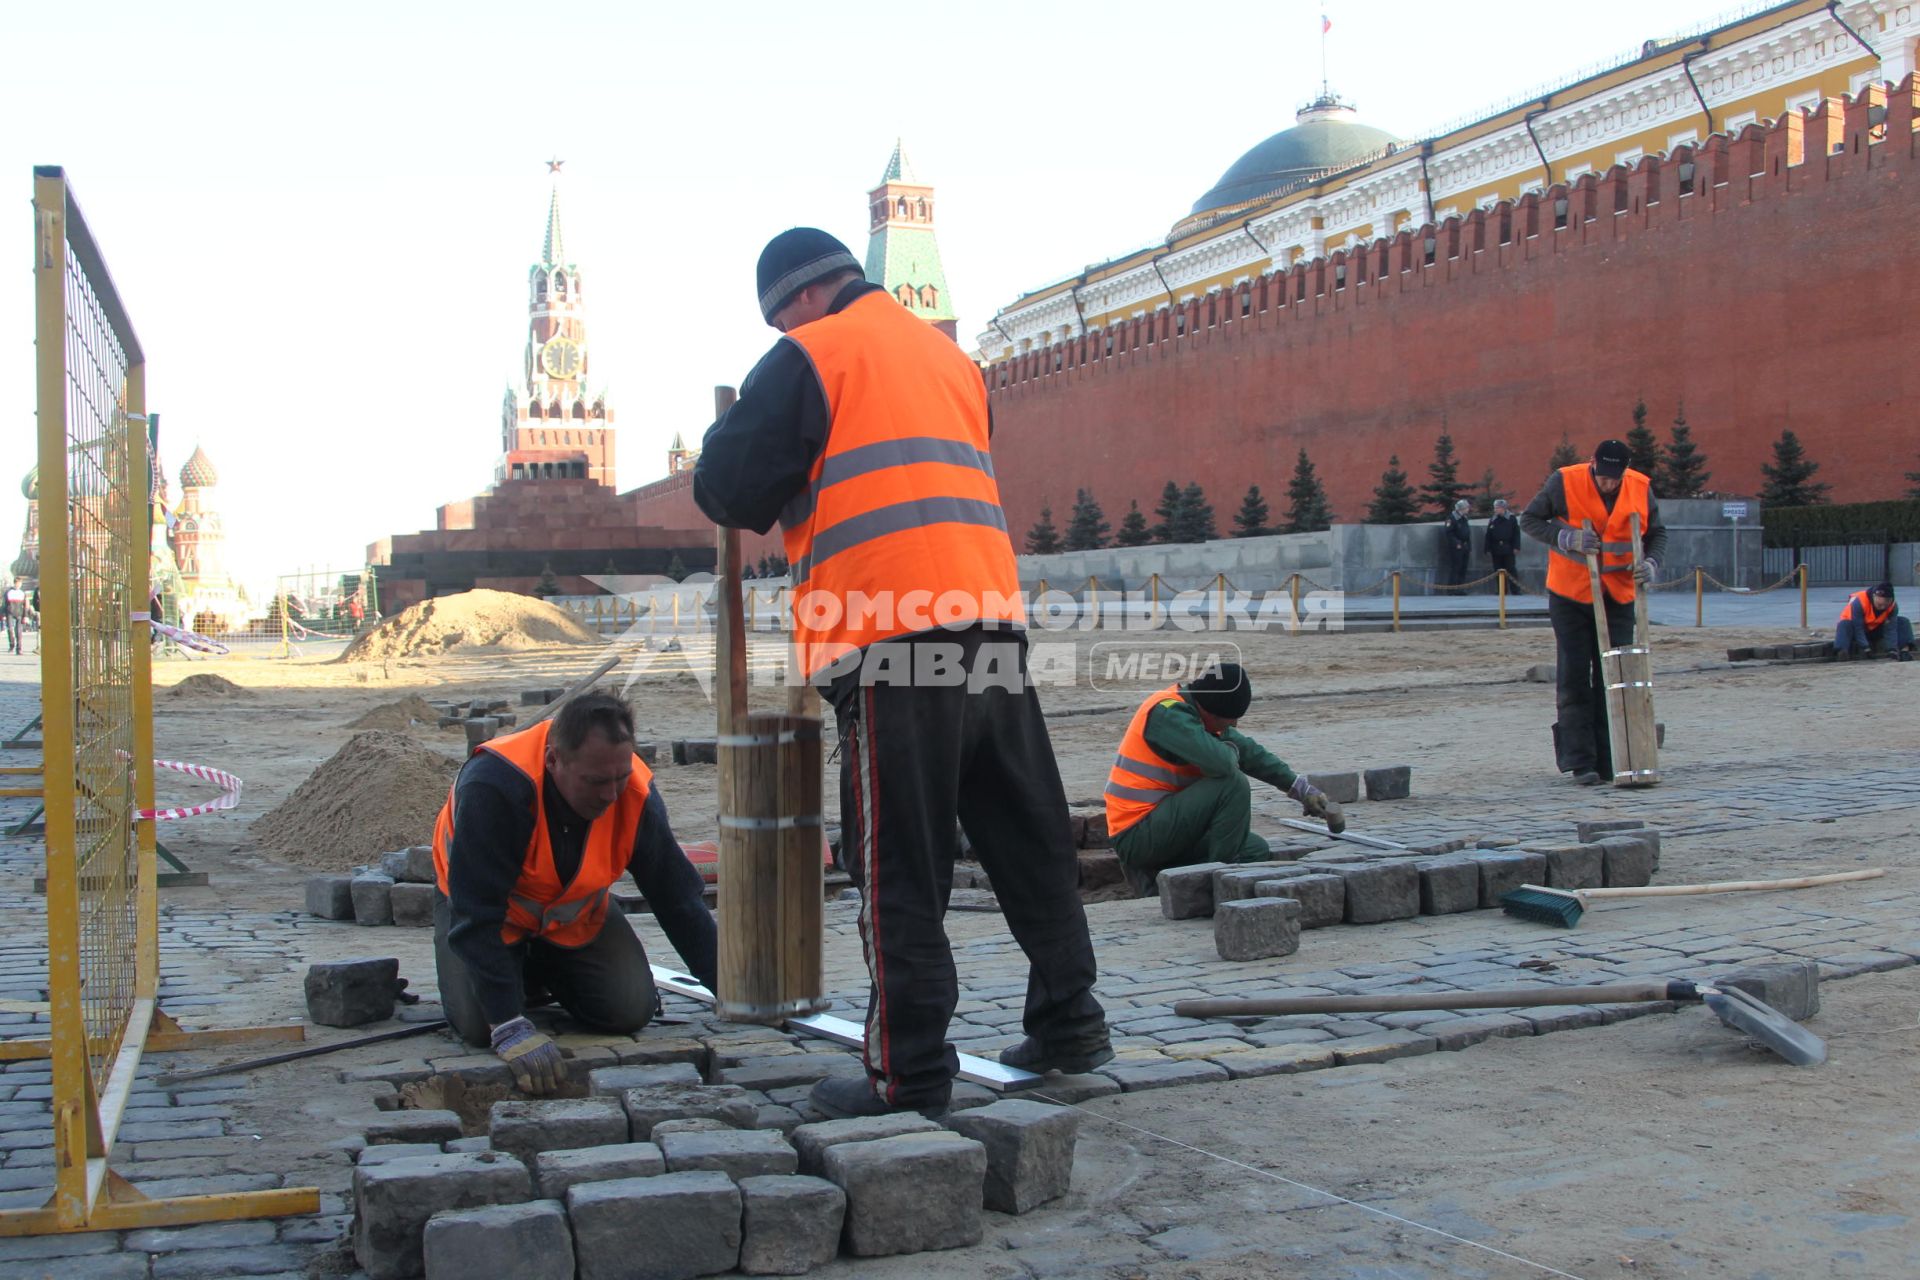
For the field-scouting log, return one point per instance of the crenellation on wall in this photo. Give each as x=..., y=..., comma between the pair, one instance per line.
x=1704, y=276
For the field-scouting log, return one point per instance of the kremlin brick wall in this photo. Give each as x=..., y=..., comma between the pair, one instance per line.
x=1778, y=290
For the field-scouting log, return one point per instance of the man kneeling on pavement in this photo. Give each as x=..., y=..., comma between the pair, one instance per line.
x=537, y=829
x=1178, y=793
x=1872, y=624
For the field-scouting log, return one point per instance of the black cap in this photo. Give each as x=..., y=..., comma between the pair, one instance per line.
x=1611, y=458
x=795, y=259
x=1223, y=691
x=1883, y=589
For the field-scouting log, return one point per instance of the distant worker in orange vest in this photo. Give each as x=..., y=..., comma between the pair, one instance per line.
x=1178, y=791
x=1605, y=491
x=538, y=828
x=1872, y=623
x=864, y=432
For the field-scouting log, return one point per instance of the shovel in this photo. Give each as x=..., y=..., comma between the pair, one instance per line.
x=1736, y=1008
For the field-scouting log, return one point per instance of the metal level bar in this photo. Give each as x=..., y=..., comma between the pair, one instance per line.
x=1351, y=837
x=994, y=1075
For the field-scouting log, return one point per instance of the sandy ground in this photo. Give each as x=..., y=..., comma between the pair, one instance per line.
x=1661, y=1147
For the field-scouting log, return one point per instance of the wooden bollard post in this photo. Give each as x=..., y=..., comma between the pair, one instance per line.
x=1396, y=600
x=770, y=886
x=1700, y=598
x=1501, y=574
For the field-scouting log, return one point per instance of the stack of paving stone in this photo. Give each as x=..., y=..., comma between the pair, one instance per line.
x=1803, y=651
x=398, y=889
x=1259, y=908
x=657, y=1164
x=482, y=718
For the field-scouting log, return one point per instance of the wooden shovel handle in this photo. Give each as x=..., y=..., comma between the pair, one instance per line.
x=1510, y=998
x=1724, y=886
x=730, y=641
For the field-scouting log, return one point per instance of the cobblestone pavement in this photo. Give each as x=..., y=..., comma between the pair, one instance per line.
x=235, y=956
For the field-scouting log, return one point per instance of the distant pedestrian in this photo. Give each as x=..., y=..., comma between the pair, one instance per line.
x=1870, y=624
x=16, y=613
x=1503, y=542
x=1456, y=546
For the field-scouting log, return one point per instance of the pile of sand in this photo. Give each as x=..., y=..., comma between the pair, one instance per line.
x=472, y=619
x=379, y=792
x=207, y=685
x=400, y=714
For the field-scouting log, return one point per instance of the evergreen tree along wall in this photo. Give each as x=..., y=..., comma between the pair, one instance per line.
x=1789, y=477
x=1443, y=487
x=1643, y=447
x=1168, y=511
x=1394, y=500
x=1250, y=521
x=1087, y=527
x=1308, y=510
x=1133, y=527
x=1193, y=521
x=1043, y=538
x=1683, y=470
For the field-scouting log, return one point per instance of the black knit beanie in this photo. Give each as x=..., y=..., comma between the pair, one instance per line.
x=795, y=259
x=1884, y=589
x=1223, y=691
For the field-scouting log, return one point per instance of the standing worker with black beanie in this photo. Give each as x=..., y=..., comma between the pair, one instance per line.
x=864, y=432
x=1178, y=792
x=1605, y=492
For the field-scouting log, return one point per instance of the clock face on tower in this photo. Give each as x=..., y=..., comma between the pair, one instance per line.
x=561, y=358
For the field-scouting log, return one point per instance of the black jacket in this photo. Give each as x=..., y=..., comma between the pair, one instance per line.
x=758, y=456
x=1503, y=535
x=493, y=824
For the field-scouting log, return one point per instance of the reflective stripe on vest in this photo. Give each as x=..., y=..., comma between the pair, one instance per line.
x=1141, y=777
x=539, y=905
x=1567, y=575
x=1872, y=620
x=901, y=510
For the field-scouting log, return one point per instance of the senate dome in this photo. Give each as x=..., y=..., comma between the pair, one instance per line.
x=199, y=472
x=30, y=486
x=1326, y=138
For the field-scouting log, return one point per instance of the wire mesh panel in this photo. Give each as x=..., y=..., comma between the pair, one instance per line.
x=318, y=605
x=92, y=445
x=101, y=547
x=103, y=950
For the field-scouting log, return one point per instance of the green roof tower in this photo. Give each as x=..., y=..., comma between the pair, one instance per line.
x=902, y=256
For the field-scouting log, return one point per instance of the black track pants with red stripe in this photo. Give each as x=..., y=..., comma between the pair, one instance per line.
x=956, y=734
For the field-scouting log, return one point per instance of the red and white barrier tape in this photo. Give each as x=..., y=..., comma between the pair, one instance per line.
x=187, y=639
x=230, y=787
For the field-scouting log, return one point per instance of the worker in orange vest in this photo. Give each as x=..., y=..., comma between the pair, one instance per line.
x=1872, y=623
x=537, y=829
x=1178, y=791
x=1605, y=492
x=864, y=432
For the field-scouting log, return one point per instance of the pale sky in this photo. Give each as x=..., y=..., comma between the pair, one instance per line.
x=321, y=217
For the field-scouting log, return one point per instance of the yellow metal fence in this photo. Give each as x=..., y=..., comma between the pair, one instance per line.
x=103, y=951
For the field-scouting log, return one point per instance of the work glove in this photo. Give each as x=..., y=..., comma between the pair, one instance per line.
x=1648, y=570
x=1579, y=542
x=534, y=1060
x=1314, y=802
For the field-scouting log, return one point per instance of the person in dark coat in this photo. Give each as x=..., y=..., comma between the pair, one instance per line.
x=1872, y=624
x=1456, y=546
x=1502, y=541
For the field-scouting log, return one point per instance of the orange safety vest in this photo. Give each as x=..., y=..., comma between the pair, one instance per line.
x=1567, y=575
x=900, y=528
x=538, y=905
x=1867, y=615
x=1141, y=777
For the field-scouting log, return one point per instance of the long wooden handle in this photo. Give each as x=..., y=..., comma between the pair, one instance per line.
x=1601, y=633
x=1725, y=886
x=606, y=664
x=730, y=641
x=1641, y=633
x=1508, y=998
